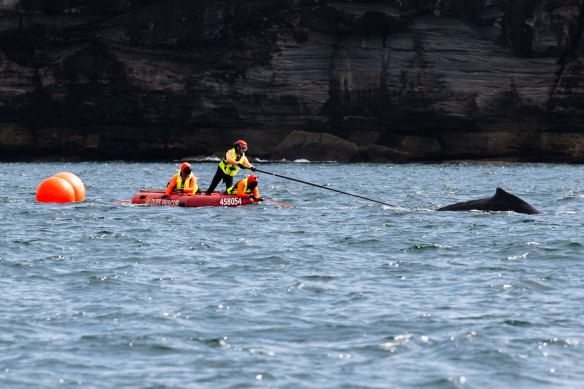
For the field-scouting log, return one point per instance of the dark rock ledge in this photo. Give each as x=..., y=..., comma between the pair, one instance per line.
x=375, y=81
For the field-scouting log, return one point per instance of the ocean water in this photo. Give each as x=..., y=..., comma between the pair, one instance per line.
x=336, y=292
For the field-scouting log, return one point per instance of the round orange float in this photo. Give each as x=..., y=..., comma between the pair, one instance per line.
x=55, y=190
x=75, y=182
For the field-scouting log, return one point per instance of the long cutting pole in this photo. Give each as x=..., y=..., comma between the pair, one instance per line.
x=323, y=187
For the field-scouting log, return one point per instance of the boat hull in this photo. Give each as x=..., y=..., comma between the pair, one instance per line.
x=216, y=199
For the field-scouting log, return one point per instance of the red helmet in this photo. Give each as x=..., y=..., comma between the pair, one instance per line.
x=185, y=168
x=251, y=178
x=242, y=145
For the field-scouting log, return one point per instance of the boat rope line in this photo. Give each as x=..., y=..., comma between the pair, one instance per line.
x=323, y=187
x=275, y=202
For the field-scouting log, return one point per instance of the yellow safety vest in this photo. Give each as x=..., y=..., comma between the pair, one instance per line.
x=233, y=189
x=180, y=184
x=228, y=168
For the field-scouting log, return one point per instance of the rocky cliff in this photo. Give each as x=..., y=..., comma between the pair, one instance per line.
x=393, y=80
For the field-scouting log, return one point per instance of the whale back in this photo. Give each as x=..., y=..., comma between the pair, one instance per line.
x=500, y=201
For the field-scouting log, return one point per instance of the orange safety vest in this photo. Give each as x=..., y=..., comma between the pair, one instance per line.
x=228, y=168
x=233, y=189
x=181, y=184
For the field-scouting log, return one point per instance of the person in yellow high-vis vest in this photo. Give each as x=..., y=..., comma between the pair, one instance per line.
x=234, y=160
x=247, y=188
x=184, y=180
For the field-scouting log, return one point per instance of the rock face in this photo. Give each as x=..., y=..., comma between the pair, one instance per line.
x=394, y=80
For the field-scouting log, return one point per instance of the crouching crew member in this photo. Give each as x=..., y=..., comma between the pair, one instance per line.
x=247, y=188
x=184, y=181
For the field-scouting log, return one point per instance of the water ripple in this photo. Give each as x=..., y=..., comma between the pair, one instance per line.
x=335, y=292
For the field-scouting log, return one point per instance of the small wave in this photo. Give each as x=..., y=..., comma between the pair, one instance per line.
x=517, y=257
x=428, y=246
x=397, y=342
x=518, y=323
x=536, y=285
x=423, y=209
x=568, y=342
x=303, y=160
x=209, y=158
x=394, y=208
x=100, y=280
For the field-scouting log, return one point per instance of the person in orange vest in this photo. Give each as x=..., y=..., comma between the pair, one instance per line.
x=234, y=160
x=247, y=188
x=184, y=180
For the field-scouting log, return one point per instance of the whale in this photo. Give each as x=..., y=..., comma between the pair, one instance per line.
x=501, y=201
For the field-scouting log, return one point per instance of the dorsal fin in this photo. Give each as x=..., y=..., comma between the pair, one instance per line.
x=501, y=193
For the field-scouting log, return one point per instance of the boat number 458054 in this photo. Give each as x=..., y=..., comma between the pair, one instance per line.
x=230, y=201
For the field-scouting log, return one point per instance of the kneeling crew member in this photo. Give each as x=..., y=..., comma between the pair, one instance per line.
x=184, y=180
x=247, y=188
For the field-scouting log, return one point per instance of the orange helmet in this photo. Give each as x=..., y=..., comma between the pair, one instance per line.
x=185, y=168
x=241, y=144
x=251, y=179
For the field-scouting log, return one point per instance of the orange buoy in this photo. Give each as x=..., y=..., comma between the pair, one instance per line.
x=75, y=182
x=55, y=190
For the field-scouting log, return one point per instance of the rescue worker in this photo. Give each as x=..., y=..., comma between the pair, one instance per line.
x=184, y=180
x=247, y=188
x=234, y=160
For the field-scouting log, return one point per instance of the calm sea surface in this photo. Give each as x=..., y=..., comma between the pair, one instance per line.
x=337, y=292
